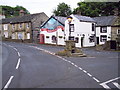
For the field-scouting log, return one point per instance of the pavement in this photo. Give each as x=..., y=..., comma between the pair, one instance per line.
x=37, y=66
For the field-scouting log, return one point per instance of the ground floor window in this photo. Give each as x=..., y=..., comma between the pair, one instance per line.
x=103, y=38
x=71, y=37
x=77, y=40
x=20, y=35
x=28, y=35
x=13, y=36
x=6, y=34
x=54, y=39
x=91, y=39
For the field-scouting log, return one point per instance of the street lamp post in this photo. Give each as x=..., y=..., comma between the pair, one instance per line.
x=69, y=22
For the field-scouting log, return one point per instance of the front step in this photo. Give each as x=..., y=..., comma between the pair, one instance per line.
x=78, y=55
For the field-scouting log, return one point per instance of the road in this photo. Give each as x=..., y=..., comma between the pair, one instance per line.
x=37, y=66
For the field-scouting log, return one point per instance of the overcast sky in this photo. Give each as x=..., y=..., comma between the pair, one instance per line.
x=37, y=6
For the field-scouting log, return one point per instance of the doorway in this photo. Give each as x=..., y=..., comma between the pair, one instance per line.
x=42, y=39
x=97, y=40
x=82, y=38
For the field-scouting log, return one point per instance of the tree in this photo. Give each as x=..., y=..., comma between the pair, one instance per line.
x=97, y=8
x=62, y=10
x=9, y=11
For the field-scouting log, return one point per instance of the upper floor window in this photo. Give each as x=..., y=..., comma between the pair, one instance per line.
x=13, y=26
x=5, y=26
x=93, y=27
x=20, y=25
x=103, y=38
x=71, y=27
x=103, y=29
x=27, y=25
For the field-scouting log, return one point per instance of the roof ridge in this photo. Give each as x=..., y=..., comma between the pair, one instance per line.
x=24, y=15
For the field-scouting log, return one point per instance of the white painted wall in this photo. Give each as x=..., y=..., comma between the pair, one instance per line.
x=59, y=32
x=80, y=28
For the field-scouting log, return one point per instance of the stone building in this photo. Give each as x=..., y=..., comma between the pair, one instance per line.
x=25, y=27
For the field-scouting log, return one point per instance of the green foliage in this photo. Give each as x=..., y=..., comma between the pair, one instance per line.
x=97, y=8
x=62, y=10
x=9, y=11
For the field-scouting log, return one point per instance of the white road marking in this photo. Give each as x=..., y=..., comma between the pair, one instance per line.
x=111, y=80
x=15, y=49
x=84, y=71
x=116, y=84
x=18, y=54
x=9, y=81
x=18, y=63
x=105, y=86
x=76, y=66
x=89, y=74
x=96, y=79
x=80, y=68
x=68, y=62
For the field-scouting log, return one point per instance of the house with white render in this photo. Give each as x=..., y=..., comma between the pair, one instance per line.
x=107, y=29
x=82, y=30
x=52, y=31
x=56, y=31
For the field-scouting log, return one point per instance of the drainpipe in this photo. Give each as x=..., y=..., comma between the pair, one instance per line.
x=95, y=36
x=31, y=33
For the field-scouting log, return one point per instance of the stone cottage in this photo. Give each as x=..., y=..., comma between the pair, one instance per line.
x=25, y=27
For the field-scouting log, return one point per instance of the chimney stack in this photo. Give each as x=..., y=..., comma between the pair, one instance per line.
x=21, y=12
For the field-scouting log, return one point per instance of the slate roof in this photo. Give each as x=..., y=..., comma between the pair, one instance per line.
x=84, y=18
x=105, y=20
x=61, y=19
x=25, y=18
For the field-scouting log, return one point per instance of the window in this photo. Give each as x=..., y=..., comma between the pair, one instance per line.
x=20, y=35
x=93, y=27
x=72, y=27
x=54, y=39
x=27, y=25
x=5, y=26
x=91, y=39
x=20, y=25
x=103, y=38
x=28, y=35
x=77, y=40
x=13, y=26
x=103, y=29
x=118, y=32
x=71, y=37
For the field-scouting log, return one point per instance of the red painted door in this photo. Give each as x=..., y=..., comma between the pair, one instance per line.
x=42, y=39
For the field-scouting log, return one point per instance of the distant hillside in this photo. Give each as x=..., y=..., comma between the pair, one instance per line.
x=9, y=11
